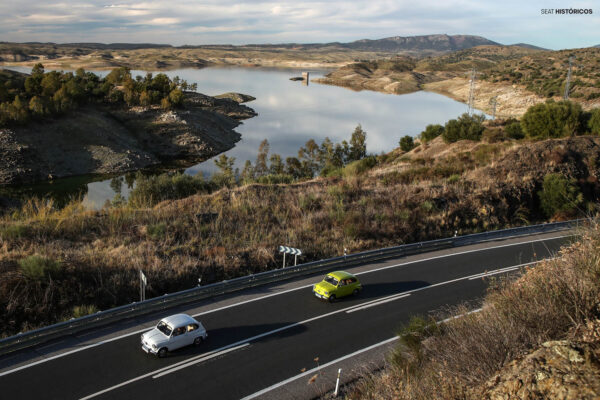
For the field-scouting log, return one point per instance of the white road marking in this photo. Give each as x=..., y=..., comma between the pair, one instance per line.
x=317, y=369
x=379, y=302
x=311, y=371
x=201, y=359
x=194, y=360
x=87, y=347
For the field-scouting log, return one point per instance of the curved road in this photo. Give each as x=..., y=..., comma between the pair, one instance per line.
x=265, y=335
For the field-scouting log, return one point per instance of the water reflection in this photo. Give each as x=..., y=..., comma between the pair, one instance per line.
x=290, y=113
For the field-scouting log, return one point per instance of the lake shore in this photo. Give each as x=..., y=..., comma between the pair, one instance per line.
x=103, y=139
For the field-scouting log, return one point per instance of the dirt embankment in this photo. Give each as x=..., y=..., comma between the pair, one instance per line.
x=511, y=100
x=110, y=140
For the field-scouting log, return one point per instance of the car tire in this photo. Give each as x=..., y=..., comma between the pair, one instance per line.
x=356, y=292
x=332, y=298
x=162, y=353
x=198, y=341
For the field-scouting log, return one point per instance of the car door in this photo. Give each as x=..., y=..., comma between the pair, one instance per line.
x=177, y=338
x=343, y=288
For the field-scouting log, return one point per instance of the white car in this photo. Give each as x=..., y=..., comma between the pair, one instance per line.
x=172, y=333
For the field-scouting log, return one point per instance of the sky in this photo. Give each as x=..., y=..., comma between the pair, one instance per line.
x=180, y=22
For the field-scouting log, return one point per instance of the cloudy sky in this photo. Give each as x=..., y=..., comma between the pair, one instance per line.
x=195, y=22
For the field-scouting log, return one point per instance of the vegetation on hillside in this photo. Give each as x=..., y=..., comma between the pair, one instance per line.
x=230, y=225
x=556, y=299
x=50, y=94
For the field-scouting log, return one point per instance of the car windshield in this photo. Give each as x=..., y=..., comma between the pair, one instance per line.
x=331, y=279
x=164, y=328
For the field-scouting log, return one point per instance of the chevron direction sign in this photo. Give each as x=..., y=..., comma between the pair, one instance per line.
x=290, y=250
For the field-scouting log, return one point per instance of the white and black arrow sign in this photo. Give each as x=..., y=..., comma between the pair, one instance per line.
x=290, y=250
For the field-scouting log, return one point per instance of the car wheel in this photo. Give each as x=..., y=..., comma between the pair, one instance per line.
x=332, y=298
x=356, y=292
x=198, y=341
x=162, y=352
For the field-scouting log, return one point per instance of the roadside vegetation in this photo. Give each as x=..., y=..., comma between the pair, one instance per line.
x=57, y=262
x=51, y=94
x=471, y=357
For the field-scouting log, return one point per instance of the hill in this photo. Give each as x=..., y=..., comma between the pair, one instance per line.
x=232, y=231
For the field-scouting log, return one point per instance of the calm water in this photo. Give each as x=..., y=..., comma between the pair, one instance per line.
x=289, y=114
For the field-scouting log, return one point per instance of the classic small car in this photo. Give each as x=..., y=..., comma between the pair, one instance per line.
x=173, y=332
x=337, y=284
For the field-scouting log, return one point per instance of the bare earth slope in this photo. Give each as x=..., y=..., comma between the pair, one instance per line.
x=108, y=140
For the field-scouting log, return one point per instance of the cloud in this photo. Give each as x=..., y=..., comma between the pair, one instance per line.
x=266, y=21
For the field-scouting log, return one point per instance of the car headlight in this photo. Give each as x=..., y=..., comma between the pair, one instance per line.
x=154, y=346
x=326, y=292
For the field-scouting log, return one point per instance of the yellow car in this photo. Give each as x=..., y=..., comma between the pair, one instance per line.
x=337, y=284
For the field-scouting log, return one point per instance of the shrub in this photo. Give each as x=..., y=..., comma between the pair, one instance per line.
x=594, y=122
x=83, y=310
x=466, y=127
x=12, y=232
x=157, y=231
x=559, y=194
x=552, y=120
x=151, y=190
x=514, y=131
x=38, y=268
x=407, y=143
x=431, y=132
x=359, y=167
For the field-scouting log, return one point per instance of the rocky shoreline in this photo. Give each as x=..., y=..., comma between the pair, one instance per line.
x=103, y=139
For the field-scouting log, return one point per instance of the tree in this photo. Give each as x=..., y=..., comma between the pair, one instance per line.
x=594, y=122
x=407, y=143
x=552, y=120
x=466, y=127
x=277, y=167
x=225, y=164
x=358, y=144
x=37, y=107
x=247, y=174
x=51, y=83
x=37, y=70
x=165, y=104
x=260, y=167
x=431, y=132
x=176, y=97
x=310, y=158
x=559, y=194
x=293, y=167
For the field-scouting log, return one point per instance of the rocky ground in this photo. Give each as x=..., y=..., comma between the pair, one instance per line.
x=560, y=369
x=110, y=140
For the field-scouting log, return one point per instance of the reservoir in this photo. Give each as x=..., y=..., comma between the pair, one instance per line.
x=289, y=114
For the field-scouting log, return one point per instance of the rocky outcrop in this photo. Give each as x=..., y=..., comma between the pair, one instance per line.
x=562, y=369
x=237, y=97
x=101, y=139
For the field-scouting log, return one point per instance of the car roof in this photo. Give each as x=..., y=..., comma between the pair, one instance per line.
x=178, y=320
x=341, y=275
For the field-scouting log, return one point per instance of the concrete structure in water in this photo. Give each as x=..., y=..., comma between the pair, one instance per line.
x=305, y=76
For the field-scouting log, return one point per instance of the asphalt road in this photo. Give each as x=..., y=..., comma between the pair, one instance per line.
x=256, y=343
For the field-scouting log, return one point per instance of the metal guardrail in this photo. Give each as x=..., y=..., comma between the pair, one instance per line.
x=28, y=339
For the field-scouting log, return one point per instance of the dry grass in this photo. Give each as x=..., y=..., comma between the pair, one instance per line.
x=234, y=232
x=546, y=303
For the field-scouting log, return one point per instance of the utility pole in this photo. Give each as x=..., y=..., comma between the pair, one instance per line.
x=493, y=102
x=568, y=83
x=471, y=91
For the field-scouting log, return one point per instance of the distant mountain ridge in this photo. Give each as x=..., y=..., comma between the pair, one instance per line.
x=419, y=43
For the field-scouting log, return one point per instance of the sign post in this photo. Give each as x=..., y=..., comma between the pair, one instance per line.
x=290, y=250
x=143, y=283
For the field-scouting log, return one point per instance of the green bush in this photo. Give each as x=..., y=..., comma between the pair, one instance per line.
x=38, y=268
x=514, y=131
x=466, y=127
x=431, y=132
x=83, y=310
x=274, y=179
x=359, y=167
x=559, y=195
x=157, y=231
x=552, y=120
x=12, y=232
x=151, y=190
x=407, y=143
